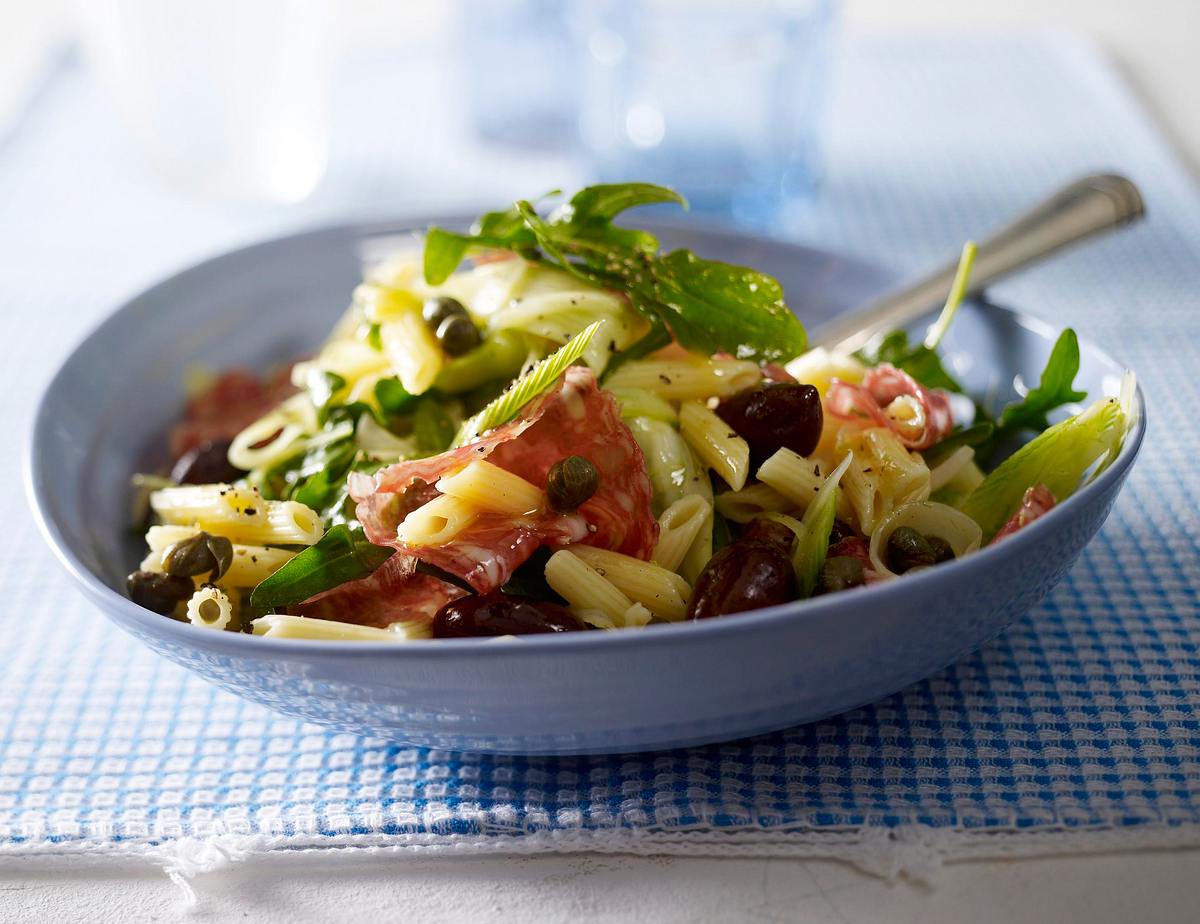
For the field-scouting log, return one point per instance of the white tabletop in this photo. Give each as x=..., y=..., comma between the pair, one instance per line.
x=1149, y=887
x=1154, y=45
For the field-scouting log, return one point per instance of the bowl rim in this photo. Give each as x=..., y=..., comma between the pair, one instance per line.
x=247, y=645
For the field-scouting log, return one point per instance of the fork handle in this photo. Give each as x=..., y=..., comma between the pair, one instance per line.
x=1086, y=207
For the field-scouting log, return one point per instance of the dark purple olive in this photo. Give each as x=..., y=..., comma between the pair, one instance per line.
x=772, y=416
x=157, y=591
x=496, y=613
x=745, y=575
x=773, y=532
x=207, y=463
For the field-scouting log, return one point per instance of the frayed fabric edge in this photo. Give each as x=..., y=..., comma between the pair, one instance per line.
x=915, y=852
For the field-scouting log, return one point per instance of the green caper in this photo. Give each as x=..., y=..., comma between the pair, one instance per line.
x=942, y=550
x=571, y=481
x=458, y=335
x=437, y=310
x=199, y=554
x=908, y=549
x=841, y=572
x=157, y=591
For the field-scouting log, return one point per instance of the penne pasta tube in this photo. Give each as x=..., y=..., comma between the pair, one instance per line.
x=950, y=467
x=275, y=436
x=278, y=625
x=670, y=463
x=718, y=447
x=490, y=487
x=664, y=593
x=437, y=522
x=678, y=528
x=239, y=514
x=796, y=478
x=931, y=519
x=251, y=564
x=638, y=402
x=701, y=549
x=637, y=616
x=819, y=367
x=585, y=588
x=752, y=501
x=882, y=476
x=408, y=343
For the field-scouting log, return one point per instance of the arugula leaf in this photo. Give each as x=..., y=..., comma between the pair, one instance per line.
x=393, y=397
x=529, y=579
x=506, y=225
x=526, y=388
x=976, y=435
x=707, y=306
x=321, y=490
x=922, y=361
x=341, y=555
x=343, y=413
x=322, y=385
x=545, y=237
x=444, y=251
x=432, y=426
x=605, y=201
x=722, y=533
x=591, y=211
x=919, y=361
x=1054, y=390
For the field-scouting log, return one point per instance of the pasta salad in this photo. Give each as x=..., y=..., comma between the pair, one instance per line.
x=548, y=425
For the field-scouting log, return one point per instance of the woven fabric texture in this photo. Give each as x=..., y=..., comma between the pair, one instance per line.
x=1077, y=728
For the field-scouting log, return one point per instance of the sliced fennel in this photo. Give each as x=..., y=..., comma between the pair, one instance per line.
x=812, y=545
x=958, y=292
x=526, y=388
x=1060, y=457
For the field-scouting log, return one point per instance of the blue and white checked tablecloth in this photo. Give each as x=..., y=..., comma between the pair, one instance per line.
x=1078, y=728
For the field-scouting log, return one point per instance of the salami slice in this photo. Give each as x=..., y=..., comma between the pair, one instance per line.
x=1037, y=501
x=929, y=419
x=395, y=592
x=576, y=418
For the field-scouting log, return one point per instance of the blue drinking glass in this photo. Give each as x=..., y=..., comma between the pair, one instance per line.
x=720, y=100
x=521, y=72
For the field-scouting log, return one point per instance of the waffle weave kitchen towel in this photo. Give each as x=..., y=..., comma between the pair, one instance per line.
x=1076, y=729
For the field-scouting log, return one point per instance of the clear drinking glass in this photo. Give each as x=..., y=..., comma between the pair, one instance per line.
x=718, y=99
x=230, y=97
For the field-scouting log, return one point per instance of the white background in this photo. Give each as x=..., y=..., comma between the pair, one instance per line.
x=1156, y=45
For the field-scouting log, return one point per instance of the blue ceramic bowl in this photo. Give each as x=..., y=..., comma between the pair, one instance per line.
x=104, y=414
